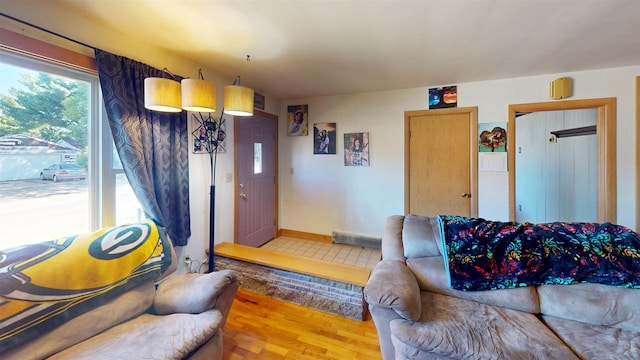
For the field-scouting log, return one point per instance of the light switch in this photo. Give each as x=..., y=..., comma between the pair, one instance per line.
x=229, y=177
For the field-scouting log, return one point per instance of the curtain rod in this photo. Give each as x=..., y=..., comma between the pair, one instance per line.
x=48, y=31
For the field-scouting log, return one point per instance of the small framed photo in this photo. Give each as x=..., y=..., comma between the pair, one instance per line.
x=298, y=120
x=324, y=138
x=356, y=149
x=209, y=134
x=258, y=101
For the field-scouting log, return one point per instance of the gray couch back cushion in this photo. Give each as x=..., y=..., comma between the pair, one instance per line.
x=592, y=303
x=423, y=249
x=420, y=236
x=392, y=238
x=431, y=276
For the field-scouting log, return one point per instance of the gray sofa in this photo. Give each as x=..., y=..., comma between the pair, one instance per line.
x=418, y=316
x=167, y=317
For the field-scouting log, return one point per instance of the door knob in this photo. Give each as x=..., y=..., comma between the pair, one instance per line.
x=465, y=195
x=243, y=195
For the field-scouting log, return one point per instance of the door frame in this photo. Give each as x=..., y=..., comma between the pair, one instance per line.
x=472, y=112
x=606, y=125
x=637, y=153
x=236, y=193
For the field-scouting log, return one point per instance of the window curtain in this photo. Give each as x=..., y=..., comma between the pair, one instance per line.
x=153, y=146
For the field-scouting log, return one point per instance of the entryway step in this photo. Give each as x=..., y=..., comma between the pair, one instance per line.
x=323, y=285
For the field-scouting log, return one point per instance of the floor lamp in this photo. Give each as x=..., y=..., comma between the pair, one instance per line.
x=208, y=136
x=198, y=96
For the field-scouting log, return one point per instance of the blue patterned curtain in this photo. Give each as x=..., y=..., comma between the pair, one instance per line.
x=153, y=146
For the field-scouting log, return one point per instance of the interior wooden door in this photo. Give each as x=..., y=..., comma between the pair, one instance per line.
x=441, y=168
x=256, y=180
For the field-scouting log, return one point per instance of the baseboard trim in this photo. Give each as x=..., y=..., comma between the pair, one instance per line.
x=305, y=235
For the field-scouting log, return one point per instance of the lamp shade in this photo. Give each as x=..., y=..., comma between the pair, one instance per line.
x=198, y=95
x=238, y=100
x=162, y=94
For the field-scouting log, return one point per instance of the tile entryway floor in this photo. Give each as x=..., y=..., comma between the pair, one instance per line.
x=338, y=253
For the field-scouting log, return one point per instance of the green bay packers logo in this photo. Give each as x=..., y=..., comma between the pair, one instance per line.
x=119, y=241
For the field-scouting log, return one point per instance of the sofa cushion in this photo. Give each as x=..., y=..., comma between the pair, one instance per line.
x=596, y=341
x=431, y=276
x=420, y=236
x=460, y=329
x=82, y=327
x=592, y=303
x=191, y=293
x=149, y=337
x=391, y=245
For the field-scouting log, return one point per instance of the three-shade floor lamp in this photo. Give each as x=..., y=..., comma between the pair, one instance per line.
x=199, y=97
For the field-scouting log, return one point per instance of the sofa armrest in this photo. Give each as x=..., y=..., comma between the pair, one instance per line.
x=196, y=293
x=392, y=285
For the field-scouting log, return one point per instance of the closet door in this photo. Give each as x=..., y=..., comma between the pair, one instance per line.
x=441, y=162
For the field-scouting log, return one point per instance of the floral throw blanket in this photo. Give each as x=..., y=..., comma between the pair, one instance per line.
x=488, y=255
x=46, y=284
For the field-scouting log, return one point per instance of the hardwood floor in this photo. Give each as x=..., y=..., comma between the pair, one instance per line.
x=261, y=327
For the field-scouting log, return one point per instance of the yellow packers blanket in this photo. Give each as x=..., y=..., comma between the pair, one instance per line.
x=46, y=284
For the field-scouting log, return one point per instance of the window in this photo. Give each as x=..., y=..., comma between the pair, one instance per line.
x=257, y=158
x=59, y=175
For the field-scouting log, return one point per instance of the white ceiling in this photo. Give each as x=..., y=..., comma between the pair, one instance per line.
x=303, y=48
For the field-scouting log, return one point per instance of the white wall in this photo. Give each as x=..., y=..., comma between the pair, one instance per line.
x=319, y=194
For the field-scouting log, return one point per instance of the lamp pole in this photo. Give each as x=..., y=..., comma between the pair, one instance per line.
x=214, y=137
x=210, y=136
x=212, y=208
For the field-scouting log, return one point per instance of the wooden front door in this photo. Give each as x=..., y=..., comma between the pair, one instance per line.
x=256, y=180
x=441, y=151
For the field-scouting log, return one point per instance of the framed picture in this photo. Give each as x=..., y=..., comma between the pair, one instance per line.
x=298, y=120
x=209, y=134
x=492, y=137
x=324, y=138
x=258, y=101
x=443, y=97
x=356, y=149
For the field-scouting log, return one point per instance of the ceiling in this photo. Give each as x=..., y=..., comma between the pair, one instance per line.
x=306, y=48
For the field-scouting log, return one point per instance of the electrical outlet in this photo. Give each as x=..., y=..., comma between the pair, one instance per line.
x=187, y=263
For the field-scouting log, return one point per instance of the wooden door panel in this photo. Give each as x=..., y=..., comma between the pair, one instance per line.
x=441, y=162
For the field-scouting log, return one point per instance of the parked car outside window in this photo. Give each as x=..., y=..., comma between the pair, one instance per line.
x=58, y=172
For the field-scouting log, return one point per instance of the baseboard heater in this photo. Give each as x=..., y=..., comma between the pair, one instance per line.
x=356, y=240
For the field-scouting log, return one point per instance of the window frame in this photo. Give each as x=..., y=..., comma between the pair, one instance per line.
x=101, y=172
